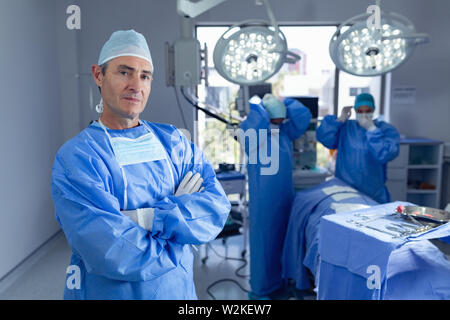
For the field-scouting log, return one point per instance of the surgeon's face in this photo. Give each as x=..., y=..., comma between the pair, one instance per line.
x=364, y=109
x=276, y=120
x=125, y=86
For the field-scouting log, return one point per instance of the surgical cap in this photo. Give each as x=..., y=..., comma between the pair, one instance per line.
x=364, y=99
x=125, y=43
x=274, y=107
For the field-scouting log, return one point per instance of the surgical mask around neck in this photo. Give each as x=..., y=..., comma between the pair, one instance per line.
x=128, y=151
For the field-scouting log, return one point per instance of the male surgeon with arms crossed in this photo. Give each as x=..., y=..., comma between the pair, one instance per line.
x=131, y=196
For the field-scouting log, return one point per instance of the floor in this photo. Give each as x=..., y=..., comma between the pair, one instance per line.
x=44, y=278
x=210, y=265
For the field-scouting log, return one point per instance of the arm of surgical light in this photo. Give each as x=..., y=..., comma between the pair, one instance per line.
x=193, y=9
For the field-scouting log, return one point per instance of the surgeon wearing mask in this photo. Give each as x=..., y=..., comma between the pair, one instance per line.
x=364, y=147
x=271, y=193
x=133, y=197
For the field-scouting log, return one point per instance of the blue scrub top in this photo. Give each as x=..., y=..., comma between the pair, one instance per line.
x=271, y=192
x=362, y=155
x=116, y=258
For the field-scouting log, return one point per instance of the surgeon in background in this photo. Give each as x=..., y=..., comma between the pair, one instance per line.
x=364, y=147
x=271, y=193
x=132, y=196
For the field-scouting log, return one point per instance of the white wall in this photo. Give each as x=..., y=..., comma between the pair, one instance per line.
x=158, y=22
x=31, y=129
x=427, y=70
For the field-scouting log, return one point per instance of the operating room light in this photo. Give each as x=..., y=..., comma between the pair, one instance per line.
x=248, y=55
x=364, y=50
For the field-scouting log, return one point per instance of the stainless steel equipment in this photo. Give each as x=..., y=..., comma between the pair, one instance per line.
x=425, y=214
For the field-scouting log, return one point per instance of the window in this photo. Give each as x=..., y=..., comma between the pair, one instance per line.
x=213, y=139
x=314, y=75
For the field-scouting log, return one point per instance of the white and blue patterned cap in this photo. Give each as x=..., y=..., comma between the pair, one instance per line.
x=125, y=43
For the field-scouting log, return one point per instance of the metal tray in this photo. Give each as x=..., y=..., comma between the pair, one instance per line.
x=425, y=213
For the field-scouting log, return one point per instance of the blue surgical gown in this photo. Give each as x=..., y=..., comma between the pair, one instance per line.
x=270, y=195
x=362, y=155
x=117, y=258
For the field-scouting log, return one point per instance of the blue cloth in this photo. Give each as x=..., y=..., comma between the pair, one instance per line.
x=230, y=175
x=118, y=259
x=300, y=252
x=409, y=267
x=362, y=155
x=364, y=99
x=418, y=271
x=125, y=43
x=270, y=195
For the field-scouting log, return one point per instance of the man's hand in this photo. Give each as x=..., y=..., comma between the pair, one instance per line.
x=190, y=184
x=345, y=114
x=144, y=217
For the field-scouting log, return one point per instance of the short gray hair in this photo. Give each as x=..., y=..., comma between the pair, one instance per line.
x=103, y=66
